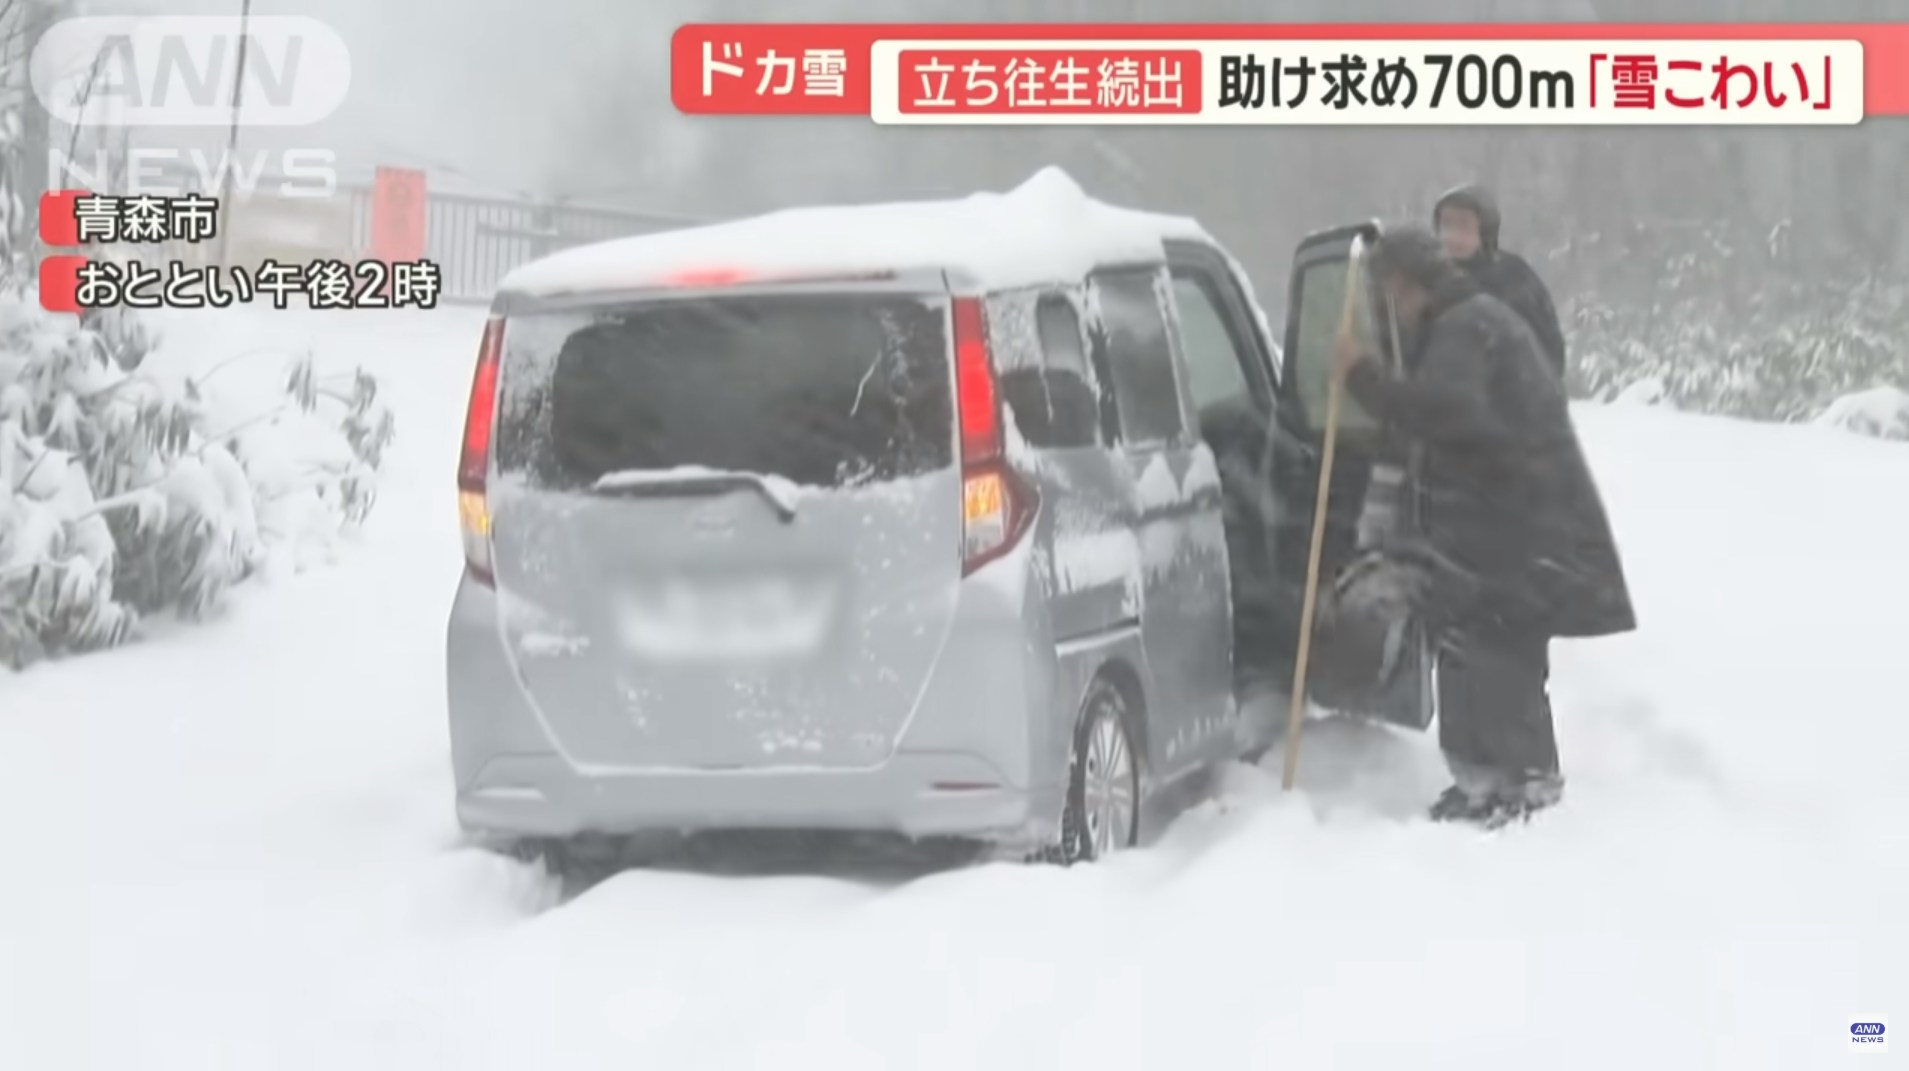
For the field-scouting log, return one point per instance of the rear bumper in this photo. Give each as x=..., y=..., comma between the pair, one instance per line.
x=543, y=795
x=983, y=756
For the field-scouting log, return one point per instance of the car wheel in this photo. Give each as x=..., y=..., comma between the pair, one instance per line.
x=578, y=862
x=1103, y=790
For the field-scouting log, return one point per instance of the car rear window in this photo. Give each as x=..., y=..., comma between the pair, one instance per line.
x=829, y=391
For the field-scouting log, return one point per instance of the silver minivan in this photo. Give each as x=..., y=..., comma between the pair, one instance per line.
x=898, y=550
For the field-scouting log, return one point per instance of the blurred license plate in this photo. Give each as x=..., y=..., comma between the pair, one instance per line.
x=728, y=618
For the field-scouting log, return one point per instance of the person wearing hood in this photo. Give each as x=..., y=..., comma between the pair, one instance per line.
x=1467, y=221
x=1517, y=547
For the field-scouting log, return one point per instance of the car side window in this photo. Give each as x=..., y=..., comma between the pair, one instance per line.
x=1216, y=369
x=1073, y=406
x=1043, y=366
x=1138, y=355
x=1319, y=298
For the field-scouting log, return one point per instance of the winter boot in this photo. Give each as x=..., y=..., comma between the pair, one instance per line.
x=1534, y=794
x=1500, y=807
x=1457, y=805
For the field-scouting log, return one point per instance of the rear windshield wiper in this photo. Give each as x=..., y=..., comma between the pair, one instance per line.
x=781, y=494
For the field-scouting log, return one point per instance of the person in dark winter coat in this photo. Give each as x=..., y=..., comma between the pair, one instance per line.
x=1467, y=221
x=1511, y=515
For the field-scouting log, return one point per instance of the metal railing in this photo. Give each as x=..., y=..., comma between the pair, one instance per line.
x=475, y=241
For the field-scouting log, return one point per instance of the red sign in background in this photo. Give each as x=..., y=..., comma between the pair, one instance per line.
x=397, y=215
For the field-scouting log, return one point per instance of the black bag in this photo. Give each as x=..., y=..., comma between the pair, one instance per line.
x=1378, y=605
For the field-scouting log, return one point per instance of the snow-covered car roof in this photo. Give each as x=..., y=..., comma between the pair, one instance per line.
x=1047, y=230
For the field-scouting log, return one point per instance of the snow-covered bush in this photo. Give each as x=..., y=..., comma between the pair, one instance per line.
x=127, y=491
x=1882, y=412
x=1712, y=321
x=121, y=498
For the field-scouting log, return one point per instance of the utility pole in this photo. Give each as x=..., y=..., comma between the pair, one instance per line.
x=35, y=175
x=232, y=142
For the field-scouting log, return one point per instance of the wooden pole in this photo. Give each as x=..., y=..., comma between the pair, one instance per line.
x=1296, y=717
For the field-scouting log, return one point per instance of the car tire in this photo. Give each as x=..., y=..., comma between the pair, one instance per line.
x=577, y=862
x=1102, y=814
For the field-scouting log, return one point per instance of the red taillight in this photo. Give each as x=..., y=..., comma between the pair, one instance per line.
x=474, y=463
x=974, y=383
x=694, y=277
x=714, y=277
x=995, y=506
x=473, y=466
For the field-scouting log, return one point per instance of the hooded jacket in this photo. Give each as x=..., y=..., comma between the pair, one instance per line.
x=1505, y=275
x=1507, y=496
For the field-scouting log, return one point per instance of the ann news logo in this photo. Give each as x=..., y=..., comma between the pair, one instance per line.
x=1869, y=1034
x=186, y=70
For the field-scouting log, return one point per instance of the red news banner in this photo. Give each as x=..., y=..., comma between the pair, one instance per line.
x=1322, y=74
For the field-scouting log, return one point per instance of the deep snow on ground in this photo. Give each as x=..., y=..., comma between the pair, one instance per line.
x=232, y=847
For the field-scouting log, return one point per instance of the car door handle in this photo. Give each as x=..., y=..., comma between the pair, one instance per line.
x=1165, y=511
x=1201, y=501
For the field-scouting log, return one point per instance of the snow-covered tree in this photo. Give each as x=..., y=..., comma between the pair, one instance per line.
x=120, y=497
x=1721, y=319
